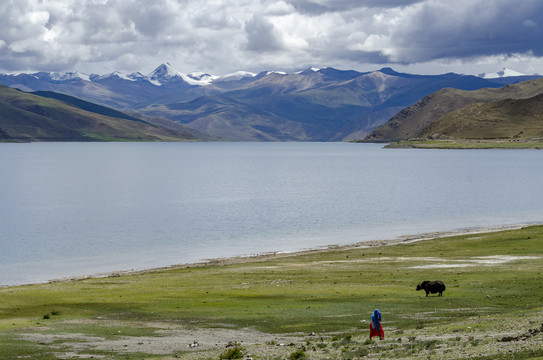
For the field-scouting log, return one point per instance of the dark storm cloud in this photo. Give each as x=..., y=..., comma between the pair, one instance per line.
x=221, y=36
x=261, y=35
x=446, y=30
x=151, y=20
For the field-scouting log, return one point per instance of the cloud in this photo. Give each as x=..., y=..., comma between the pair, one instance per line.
x=463, y=29
x=221, y=36
x=326, y=6
x=261, y=35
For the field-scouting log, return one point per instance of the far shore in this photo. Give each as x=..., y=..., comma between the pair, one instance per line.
x=404, y=239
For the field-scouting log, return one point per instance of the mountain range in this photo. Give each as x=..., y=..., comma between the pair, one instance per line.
x=312, y=105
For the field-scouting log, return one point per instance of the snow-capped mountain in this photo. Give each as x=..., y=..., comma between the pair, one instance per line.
x=316, y=104
x=163, y=74
x=505, y=72
x=61, y=76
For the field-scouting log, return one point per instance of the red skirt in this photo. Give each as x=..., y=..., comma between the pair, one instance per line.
x=374, y=332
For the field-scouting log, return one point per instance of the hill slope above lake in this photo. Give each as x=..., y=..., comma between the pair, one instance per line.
x=412, y=122
x=29, y=117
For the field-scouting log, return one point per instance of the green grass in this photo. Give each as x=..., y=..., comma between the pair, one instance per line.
x=468, y=144
x=323, y=291
x=11, y=347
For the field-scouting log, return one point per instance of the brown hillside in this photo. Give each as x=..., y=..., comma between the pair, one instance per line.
x=504, y=119
x=411, y=121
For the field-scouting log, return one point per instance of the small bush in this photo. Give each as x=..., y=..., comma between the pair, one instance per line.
x=431, y=344
x=235, y=352
x=298, y=355
x=475, y=342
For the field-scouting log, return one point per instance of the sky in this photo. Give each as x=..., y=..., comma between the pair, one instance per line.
x=223, y=36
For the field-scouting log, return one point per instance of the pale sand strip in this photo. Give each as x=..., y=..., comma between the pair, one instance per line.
x=406, y=239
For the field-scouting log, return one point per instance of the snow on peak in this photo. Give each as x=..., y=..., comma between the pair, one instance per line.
x=238, y=75
x=199, y=78
x=276, y=72
x=64, y=76
x=309, y=70
x=115, y=74
x=505, y=72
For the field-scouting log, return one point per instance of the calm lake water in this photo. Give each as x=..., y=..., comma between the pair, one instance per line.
x=70, y=209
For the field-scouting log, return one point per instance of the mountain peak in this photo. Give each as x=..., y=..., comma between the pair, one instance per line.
x=164, y=72
x=388, y=71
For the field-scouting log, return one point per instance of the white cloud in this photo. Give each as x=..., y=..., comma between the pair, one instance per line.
x=279, y=8
x=220, y=36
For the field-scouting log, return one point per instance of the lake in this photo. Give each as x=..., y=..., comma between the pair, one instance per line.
x=70, y=209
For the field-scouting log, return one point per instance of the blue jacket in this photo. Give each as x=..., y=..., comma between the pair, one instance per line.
x=376, y=319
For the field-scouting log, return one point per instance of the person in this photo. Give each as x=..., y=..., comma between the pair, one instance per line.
x=375, y=325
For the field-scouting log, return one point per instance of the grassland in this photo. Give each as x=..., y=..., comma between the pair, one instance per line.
x=468, y=144
x=312, y=305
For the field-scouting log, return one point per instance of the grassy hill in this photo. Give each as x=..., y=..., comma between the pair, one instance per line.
x=412, y=121
x=29, y=117
x=505, y=119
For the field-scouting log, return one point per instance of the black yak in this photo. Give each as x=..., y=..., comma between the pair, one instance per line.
x=432, y=287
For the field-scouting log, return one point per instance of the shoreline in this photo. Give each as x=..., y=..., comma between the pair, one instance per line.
x=403, y=239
